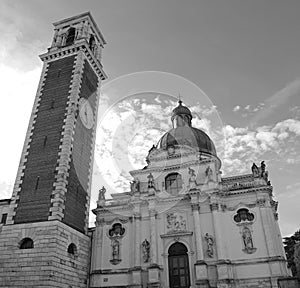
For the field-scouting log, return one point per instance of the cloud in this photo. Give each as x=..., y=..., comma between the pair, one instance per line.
x=236, y=108
x=129, y=130
x=244, y=145
x=16, y=87
x=131, y=127
x=279, y=98
x=5, y=190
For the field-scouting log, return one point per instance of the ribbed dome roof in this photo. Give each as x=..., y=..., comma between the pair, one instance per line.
x=188, y=136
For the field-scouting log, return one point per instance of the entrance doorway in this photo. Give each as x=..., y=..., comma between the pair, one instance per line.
x=179, y=272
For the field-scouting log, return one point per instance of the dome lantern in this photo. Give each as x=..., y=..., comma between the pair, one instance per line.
x=181, y=116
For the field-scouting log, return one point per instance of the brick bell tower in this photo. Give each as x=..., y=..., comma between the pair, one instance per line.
x=45, y=239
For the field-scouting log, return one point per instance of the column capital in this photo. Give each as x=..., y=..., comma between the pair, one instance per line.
x=195, y=206
x=214, y=206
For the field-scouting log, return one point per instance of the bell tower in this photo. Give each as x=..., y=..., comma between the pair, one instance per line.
x=53, y=181
x=51, y=195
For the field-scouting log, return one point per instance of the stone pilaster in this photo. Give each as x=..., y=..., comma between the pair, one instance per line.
x=198, y=234
x=219, y=240
x=97, y=243
x=153, y=236
x=137, y=250
x=267, y=227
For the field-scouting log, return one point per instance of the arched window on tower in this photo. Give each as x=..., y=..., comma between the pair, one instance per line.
x=26, y=243
x=92, y=43
x=70, y=36
x=173, y=183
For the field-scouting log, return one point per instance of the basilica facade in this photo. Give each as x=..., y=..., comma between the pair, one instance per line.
x=181, y=224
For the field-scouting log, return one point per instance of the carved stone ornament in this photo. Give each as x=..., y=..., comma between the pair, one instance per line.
x=117, y=230
x=146, y=251
x=176, y=222
x=243, y=215
x=210, y=245
x=203, y=196
x=261, y=202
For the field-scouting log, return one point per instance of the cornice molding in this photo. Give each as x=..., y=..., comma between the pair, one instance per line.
x=69, y=50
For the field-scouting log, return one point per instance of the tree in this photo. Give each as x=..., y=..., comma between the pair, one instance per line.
x=292, y=251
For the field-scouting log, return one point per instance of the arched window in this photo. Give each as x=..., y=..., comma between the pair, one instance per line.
x=173, y=183
x=26, y=243
x=92, y=43
x=70, y=36
x=72, y=249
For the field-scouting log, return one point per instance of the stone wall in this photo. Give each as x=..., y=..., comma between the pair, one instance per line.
x=48, y=264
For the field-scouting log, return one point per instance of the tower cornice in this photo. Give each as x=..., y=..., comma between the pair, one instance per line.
x=55, y=54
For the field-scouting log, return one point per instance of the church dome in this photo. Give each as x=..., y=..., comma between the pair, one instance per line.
x=184, y=134
x=188, y=136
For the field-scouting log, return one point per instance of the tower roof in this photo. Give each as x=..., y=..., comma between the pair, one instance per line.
x=80, y=17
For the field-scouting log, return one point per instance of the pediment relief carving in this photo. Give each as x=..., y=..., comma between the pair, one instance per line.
x=176, y=222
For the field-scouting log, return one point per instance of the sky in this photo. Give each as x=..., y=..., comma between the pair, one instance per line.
x=243, y=55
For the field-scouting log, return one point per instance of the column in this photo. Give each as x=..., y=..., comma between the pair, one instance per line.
x=198, y=234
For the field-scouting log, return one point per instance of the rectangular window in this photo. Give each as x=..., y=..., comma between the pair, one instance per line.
x=3, y=219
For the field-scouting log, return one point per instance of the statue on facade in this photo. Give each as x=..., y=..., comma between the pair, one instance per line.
x=210, y=243
x=146, y=250
x=135, y=186
x=115, y=250
x=101, y=195
x=116, y=234
x=260, y=171
x=264, y=173
x=255, y=170
x=150, y=181
x=209, y=174
x=247, y=240
x=192, y=179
